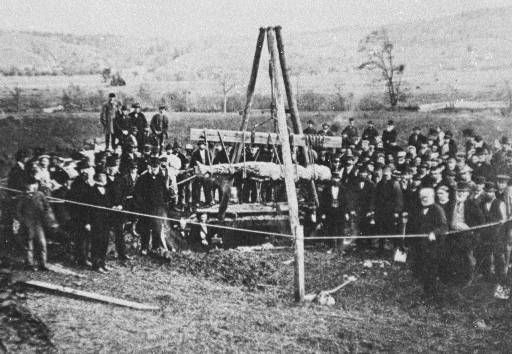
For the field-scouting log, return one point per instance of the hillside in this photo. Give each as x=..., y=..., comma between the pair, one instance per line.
x=467, y=52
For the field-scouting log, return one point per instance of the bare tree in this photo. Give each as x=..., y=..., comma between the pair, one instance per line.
x=227, y=83
x=378, y=49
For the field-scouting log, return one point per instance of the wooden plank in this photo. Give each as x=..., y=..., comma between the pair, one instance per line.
x=291, y=192
x=64, y=290
x=292, y=103
x=250, y=90
x=261, y=138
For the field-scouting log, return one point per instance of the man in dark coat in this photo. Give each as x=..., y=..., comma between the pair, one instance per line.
x=370, y=133
x=201, y=155
x=494, y=239
x=363, y=198
x=151, y=197
x=80, y=191
x=122, y=125
x=351, y=132
x=159, y=126
x=416, y=138
x=431, y=220
x=389, y=205
x=115, y=197
x=107, y=116
x=335, y=205
x=138, y=119
x=389, y=135
x=310, y=129
x=462, y=214
x=100, y=220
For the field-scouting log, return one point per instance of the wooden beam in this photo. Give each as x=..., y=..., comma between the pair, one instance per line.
x=250, y=90
x=294, y=111
x=64, y=290
x=262, y=138
x=291, y=192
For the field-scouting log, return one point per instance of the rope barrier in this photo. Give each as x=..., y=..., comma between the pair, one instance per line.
x=266, y=233
x=164, y=218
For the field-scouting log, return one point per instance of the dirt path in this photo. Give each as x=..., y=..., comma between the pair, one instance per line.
x=381, y=312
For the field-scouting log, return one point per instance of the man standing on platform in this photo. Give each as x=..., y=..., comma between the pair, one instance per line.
x=107, y=117
x=138, y=119
x=159, y=125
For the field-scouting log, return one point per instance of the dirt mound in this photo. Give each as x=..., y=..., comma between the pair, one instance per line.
x=231, y=266
x=20, y=329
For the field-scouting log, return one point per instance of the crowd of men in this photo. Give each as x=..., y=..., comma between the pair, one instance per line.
x=430, y=186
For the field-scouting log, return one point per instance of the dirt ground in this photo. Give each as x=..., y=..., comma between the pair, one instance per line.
x=242, y=302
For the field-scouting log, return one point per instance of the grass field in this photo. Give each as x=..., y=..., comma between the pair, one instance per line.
x=61, y=131
x=381, y=312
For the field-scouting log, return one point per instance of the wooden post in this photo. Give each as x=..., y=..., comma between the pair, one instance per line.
x=291, y=193
x=250, y=90
x=292, y=105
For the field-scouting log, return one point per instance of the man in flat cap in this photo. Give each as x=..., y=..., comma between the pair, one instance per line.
x=107, y=116
x=310, y=129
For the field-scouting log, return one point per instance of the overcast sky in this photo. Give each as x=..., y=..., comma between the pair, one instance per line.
x=188, y=19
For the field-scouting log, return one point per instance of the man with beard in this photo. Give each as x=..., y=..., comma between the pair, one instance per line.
x=431, y=220
x=151, y=197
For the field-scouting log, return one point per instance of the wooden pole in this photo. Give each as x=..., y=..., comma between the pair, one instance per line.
x=291, y=192
x=250, y=90
x=292, y=105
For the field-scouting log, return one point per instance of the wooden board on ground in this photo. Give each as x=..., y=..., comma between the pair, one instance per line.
x=262, y=138
x=247, y=209
x=64, y=290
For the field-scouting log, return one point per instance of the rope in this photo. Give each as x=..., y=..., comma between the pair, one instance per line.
x=164, y=218
x=335, y=237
